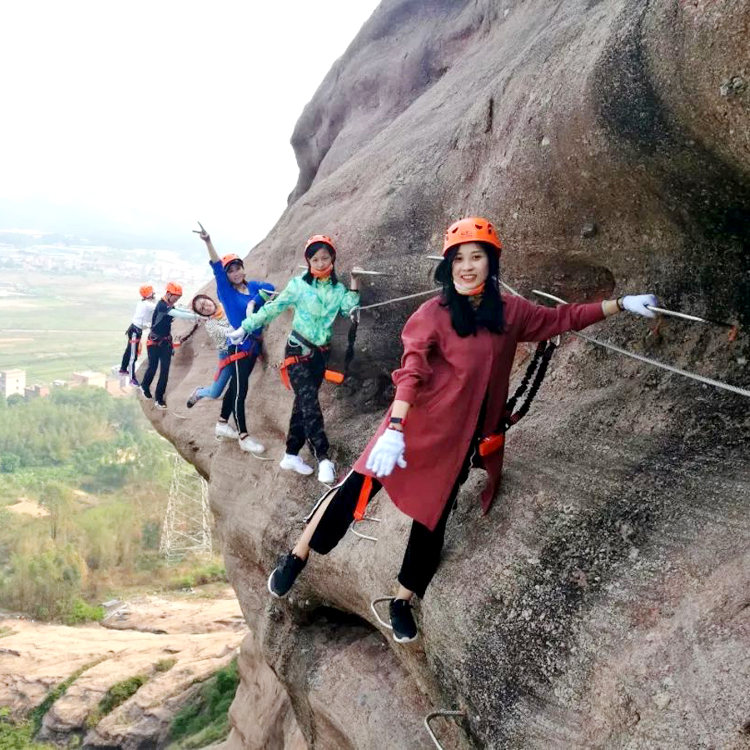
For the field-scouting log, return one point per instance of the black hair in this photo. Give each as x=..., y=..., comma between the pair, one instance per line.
x=464, y=318
x=308, y=277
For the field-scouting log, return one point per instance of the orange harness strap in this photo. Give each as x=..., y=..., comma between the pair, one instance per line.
x=491, y=444
x=363, y=499
x=228, y=361
x=330, y=375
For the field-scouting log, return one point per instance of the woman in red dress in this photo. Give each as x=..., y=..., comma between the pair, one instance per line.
x=453, y=385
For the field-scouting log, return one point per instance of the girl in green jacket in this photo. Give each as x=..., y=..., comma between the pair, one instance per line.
x=317, y=298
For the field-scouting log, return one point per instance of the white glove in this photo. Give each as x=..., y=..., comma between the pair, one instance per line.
x=386, y=453
x=237, y=335
x=636, y=303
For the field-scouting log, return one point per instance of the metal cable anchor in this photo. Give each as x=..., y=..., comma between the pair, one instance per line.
x=434, y=715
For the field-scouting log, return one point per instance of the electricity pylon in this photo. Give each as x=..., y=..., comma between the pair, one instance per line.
x=187, y=522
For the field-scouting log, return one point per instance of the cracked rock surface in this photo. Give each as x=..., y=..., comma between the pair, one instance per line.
x=603, y=602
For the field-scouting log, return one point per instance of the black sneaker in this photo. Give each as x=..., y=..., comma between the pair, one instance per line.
x=193, y=399
x=285, y=574
x=402, y=621
x=160, y=405
x=146, y=393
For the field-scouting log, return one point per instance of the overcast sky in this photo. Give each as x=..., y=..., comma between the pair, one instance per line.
x=159, y=113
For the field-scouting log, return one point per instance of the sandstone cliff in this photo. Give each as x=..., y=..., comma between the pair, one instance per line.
x=604, y=600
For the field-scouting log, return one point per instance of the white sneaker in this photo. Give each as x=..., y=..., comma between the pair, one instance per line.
x=225, y=431
x=249, y=445
x=326, y=472
x=296, y=463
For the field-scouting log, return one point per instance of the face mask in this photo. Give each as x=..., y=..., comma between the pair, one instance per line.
x=466, y=291
x=324, y=274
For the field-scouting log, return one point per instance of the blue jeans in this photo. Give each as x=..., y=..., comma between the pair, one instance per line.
x=217, y=387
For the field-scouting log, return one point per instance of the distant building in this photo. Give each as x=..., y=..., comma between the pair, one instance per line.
x=89, y=377
x=59, y=383
x=12, y=382
x=36, y=391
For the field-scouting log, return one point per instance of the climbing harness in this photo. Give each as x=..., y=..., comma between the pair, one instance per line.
x=228, y=361
x=158, y=340
x=649, y=361
x=332, y=376
x=435, y=714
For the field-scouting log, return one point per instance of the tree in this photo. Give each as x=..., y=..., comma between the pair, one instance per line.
x=9, y=462
x=58, y=500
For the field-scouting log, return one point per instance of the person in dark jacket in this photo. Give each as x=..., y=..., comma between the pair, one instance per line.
x=159, y=343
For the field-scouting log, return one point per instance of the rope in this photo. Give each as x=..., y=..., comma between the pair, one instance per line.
x=669, y=368
x=394, y=300
x=654, y=363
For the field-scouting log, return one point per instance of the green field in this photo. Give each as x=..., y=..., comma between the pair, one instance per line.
x=88, y=315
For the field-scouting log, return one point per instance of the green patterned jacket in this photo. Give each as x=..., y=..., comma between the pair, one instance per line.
x=315, y=306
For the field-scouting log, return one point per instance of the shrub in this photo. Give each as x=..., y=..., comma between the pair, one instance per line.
x=120, y=692
x=208, y=715
x=82, y=612
x=9, y=462
x=164, y=665
x=38, y=713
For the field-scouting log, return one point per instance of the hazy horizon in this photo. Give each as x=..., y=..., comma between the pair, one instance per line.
x=137, y=121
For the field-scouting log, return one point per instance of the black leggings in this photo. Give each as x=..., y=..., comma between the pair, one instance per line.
x=423, y=549
x=131, y=350
x=306, y=421
x=159, y=355
x=234, y=396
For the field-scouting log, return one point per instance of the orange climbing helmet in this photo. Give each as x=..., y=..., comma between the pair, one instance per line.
x=173, y=288
x=471, y=229
x=320, y=238
x=226, y=260
x=146, y=291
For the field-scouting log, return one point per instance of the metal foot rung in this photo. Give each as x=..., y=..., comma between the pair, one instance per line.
x=434, y=715
x=364, y=536
x=375, y=611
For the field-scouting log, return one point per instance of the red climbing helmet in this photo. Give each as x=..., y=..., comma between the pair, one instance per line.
x=320, y=238
x=231, y=258
x=471, y=229
x=173, y=288
x=146, y=291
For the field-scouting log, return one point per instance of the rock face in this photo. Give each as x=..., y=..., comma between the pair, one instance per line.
x=604, y=600
x=193, y=640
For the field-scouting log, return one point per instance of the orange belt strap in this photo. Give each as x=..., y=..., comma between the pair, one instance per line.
x=363, y=499
x=491, y=444
x=228, y=361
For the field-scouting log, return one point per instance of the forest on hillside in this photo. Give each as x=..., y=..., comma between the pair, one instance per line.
x=84, y=483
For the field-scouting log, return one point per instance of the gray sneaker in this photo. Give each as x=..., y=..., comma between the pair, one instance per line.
x=193, y=399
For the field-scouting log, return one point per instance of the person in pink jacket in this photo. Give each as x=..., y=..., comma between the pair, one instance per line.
x=447, y=415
